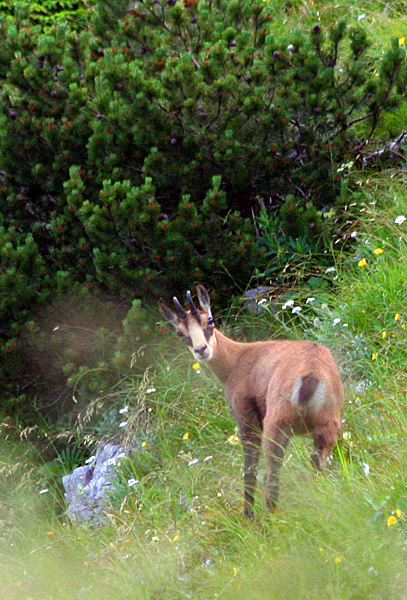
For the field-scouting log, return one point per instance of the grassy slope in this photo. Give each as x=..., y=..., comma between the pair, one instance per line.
x=179, y=532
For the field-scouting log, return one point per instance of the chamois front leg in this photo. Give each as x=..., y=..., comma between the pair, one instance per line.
x=251, y=442
x=275, y=442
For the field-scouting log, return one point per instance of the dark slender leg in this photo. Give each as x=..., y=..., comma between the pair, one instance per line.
x=275, y=443
x=251, y=441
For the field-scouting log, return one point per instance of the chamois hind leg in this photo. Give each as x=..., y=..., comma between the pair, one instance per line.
x=251, y=442
x=324, y=440
x=275, y=442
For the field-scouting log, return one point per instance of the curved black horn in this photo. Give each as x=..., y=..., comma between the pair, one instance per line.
x=194, y=309
x=180, y=310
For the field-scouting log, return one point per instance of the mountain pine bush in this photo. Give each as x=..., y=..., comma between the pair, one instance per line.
x=47, y=12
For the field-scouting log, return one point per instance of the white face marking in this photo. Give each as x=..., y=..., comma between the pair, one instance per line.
x=202, y=348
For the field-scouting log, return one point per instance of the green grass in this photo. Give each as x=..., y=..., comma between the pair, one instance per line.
x=180, y=533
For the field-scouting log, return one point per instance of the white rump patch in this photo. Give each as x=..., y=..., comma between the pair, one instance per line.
x=296, y=390
x=318, y=399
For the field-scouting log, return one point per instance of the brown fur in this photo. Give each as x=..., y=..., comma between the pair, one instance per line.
x=276, y=389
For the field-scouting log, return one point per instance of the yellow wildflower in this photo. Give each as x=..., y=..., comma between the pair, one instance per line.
x=175, y=538
x=49, y=533
x=233, y=439
x=396, y=316
x=402, y=41
x=338, y=559
x=398, y=512
x=196, y=366
x=362, y=263
x=378, y=251
x=144, y=444
x=185, y=436
x=384, y=334
x=391, y=521
x=374, y=356
x=235, y=569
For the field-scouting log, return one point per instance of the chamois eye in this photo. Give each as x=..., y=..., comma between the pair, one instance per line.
x=180, y=334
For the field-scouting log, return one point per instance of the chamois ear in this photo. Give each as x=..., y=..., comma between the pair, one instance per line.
x=167, y=313
x=203, y=297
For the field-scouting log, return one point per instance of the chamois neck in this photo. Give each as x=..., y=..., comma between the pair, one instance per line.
x=225, y=357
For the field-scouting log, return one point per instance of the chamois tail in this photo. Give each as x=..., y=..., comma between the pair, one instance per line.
x=308, y=392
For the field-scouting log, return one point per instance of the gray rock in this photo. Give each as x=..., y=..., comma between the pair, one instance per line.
x=255, y=298
x=88, y=488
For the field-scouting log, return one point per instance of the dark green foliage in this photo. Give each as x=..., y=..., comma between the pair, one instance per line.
x=23, y=283
x=134, y=243
x=47, y=12
x=300, y=219
x=292, y=243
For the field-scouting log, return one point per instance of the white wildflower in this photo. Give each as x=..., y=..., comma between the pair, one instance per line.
x=400, y=219
x=287, y=304
x=193, y=462
x=336, y=321
x=123, y=424
x=330, y=270
x=111, y=461
x=89, y=460
x=44, y=491
x=151, y=390
x=123, y=410
x=132, y=482
x=366, y=468
x=309, y=300
x=361, y=17
x=296, y=309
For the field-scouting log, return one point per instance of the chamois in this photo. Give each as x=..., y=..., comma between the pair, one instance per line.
x=276, y=389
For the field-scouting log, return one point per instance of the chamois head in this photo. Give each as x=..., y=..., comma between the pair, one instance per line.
x=194, y=326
